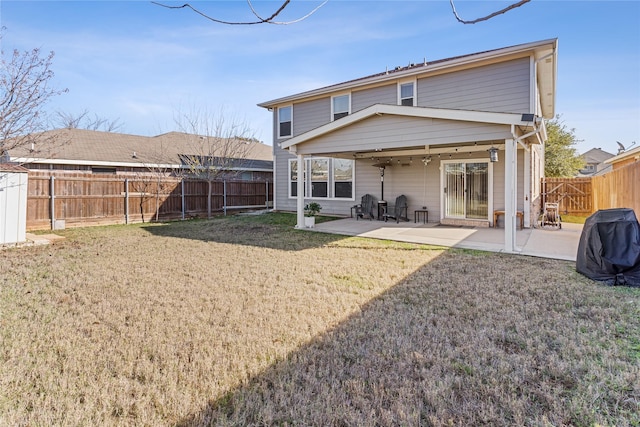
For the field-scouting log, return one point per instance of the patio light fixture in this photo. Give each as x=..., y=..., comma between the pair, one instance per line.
x=493, y=154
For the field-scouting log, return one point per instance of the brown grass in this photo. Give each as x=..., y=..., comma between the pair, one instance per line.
x=245, y=321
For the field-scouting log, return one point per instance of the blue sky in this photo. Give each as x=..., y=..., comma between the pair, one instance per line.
x=140, y=63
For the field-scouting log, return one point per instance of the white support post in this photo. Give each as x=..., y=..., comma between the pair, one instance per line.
x=527, y=188
x=510, y=191
x=300, y=197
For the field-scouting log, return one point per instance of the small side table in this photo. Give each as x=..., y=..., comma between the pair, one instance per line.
x=421, y=212
x=382, y=209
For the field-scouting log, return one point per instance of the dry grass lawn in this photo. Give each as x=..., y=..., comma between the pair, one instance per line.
x=245, y=321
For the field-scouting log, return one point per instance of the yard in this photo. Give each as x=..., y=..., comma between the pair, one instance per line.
x=246, y=321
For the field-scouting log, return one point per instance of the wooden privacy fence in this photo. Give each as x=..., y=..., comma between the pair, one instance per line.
x=574, y=195
x=619, y=188
x=81, y=200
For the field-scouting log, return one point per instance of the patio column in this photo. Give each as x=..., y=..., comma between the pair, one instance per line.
x=510, y=192
x=300, y=190
x=527, y=187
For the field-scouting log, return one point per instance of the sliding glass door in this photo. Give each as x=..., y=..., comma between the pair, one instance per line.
x=466, y=190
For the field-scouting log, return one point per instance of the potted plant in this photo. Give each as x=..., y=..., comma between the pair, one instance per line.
x=310, y=211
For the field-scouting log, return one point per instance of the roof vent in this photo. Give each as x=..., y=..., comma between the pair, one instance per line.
x=135, y=155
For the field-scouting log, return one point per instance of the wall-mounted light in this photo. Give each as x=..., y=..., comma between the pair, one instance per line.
x=493, y=154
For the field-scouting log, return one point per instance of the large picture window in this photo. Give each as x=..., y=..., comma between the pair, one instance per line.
x=285, y=122
x=327, y=178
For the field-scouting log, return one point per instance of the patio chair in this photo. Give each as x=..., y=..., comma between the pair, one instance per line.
x=397, y=211
x=365, y=208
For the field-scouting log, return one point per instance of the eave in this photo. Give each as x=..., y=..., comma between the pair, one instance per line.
x=418, y=112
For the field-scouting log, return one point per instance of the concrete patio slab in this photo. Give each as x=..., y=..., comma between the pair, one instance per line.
x=539, y=242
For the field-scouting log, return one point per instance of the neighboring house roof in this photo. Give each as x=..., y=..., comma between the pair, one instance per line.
x=596, y=156
x=629, y=154
x=544, y=52
x=88, y=147
x=594, y=162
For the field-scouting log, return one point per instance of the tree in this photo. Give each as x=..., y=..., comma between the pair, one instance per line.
x=219, y=145
x=84, y=121
x=561, y=157
x=25, y=88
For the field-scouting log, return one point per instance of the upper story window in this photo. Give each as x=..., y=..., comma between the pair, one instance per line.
x=340, y=106
x=285, y=122
x=406, y=94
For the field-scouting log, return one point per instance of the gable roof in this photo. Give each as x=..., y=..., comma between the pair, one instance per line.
x=81, y=146
x=596, y=155
x=400, y=110
x=544, y=52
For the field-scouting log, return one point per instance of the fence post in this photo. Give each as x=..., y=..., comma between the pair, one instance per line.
x=266, y=197
x=126, y=200
x=52, y=196
x=182, y=196
x=224, y=196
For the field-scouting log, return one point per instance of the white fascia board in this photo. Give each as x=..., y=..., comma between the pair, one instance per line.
x=24, y=160
x=399, y=110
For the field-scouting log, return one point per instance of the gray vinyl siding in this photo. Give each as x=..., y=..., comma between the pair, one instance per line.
x=362, y=99
x=310, y=115
x=502, y=87
x=404, y=178
x=498, y=182
x=390, y=131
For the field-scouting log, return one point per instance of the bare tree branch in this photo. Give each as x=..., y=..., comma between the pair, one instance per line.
x=219, y=145
x=486, y=18
x=83, y=121
x=24, y=90
x=261, y=20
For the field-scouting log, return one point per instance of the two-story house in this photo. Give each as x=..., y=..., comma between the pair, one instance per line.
x=426, y=131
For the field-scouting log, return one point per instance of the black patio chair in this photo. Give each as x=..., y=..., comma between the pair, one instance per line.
x=398, y=211
x=365, y=208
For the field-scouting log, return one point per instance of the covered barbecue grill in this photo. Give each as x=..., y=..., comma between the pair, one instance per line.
x=609, y=248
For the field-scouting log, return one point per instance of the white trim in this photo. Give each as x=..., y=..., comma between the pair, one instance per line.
x=415, y=90
x=420, y=112
x=27, y=160
x=330, y=182
x=339, y=95
x=489, y=187
x=278, y=122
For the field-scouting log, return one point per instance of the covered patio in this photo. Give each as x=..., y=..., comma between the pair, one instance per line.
x=539, y=242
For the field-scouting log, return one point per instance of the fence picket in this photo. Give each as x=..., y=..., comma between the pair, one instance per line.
x=82, y=199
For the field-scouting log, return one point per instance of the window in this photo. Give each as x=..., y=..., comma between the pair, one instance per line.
x=293, y=178
x=343, y=178
x=340, y=106
x=320, y=178
x=327, y=178
x=406, y=94
x=285, y=121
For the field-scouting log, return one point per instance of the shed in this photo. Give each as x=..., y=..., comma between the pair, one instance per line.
x=13, y=203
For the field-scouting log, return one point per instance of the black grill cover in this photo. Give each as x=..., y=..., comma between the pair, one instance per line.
x=609, y=248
